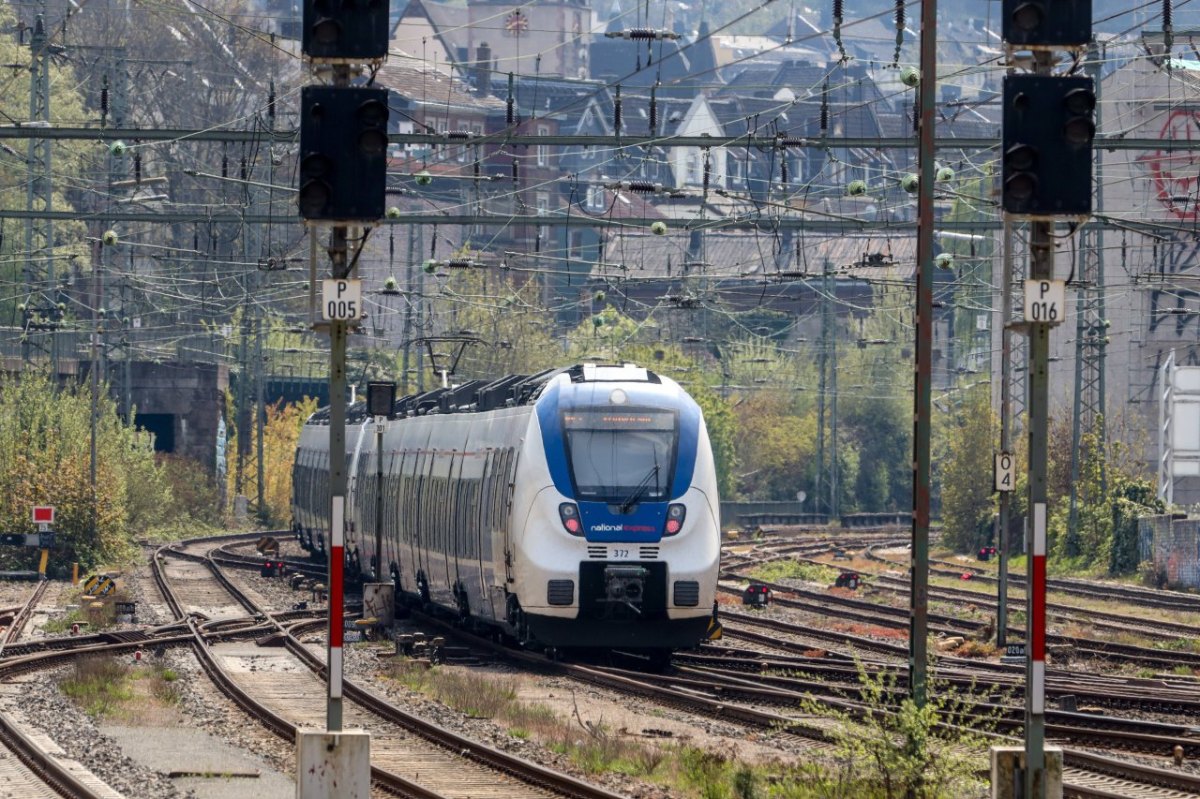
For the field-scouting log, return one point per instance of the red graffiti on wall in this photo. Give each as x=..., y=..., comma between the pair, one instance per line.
x=1176, y=173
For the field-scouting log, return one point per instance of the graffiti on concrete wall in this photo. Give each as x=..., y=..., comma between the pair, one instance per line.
x=1176, y=173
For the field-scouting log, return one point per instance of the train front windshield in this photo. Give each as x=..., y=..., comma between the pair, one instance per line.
x=621, y=456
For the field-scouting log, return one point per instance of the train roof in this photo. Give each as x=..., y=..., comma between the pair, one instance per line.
x=477, y=396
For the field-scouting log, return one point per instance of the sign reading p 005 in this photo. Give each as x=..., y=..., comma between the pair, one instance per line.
x=341, y=300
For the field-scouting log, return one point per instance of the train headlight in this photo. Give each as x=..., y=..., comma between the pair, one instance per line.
x=569, y=513
x=675, y=515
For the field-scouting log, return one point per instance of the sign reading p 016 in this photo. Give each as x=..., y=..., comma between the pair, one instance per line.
x=341, y=300
x=1045, y=301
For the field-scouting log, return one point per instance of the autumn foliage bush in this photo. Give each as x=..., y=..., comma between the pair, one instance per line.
x=281, y=434
x=45, y=459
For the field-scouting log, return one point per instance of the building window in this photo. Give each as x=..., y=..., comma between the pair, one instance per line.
x=542, y=150
x=543, y=209
x=595, y=198
x=692, y=167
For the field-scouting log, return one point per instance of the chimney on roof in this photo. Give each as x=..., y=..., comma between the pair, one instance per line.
x=483, y=70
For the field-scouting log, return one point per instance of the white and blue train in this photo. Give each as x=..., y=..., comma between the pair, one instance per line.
x=576, y=508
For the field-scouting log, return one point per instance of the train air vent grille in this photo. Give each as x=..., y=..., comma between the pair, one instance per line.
x=560, y=592
x=648, y=553
x=598, y=553
x=687, y=593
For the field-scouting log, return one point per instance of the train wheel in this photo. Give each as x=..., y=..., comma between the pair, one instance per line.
x=423, y=588
x=462, y=602
x=516, y=618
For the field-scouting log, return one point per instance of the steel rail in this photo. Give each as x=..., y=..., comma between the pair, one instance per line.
x=527, y=771
x=22, y=617
x=45, y=766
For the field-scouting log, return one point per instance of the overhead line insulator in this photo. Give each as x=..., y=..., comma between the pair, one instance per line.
x=642, y=34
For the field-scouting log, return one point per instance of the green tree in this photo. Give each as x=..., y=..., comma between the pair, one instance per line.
x=881, y=427
x=776, y=444
x=966, y=476
x=508, y=320
x=1133, y=498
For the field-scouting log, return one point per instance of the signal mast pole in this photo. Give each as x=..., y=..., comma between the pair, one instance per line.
x=918, y=635
x=1047, y=173
x=342, y=176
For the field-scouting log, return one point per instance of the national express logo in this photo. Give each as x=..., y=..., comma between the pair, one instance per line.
x=1176, y=172
x=622, y=528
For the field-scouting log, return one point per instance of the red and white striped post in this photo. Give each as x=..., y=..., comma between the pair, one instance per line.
x=337, y=545
x=1037, y=614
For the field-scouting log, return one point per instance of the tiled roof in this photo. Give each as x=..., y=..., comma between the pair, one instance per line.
x=416, y=80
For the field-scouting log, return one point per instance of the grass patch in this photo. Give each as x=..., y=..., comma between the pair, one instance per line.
x=778, y=570
x=62, y=624
x=163, y=683
x=99, y=685
x=685, y=772
x=108, y=688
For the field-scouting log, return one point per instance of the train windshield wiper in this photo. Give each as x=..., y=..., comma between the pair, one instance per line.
x=640, y=489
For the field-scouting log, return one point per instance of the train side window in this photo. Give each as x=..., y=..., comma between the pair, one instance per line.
x=486, y=496
x=419, y=488
x=498, y=487
x=473, y=512
x=454, y=493
x=443, y=508
x=407, y=501
x=448, y=509
x=463, y=530
x=428, y=492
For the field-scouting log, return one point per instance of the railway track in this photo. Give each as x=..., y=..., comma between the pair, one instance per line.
x=410, y=756
x=1165, y=599
x=1086, y=774
x=33, y=765
x=869, y=612
x=1161, y=628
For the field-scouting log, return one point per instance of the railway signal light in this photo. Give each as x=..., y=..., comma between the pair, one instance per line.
x=343, y=153
x=1027, y=23
x=345, y=30
x=1048, y=130
x=756, y=595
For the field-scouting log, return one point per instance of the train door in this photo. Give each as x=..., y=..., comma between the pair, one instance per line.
x=354, y=516
x=508, y=471
x=421, y=528
x=484, y=528
x=391, y=524
x=406, y=501
x=451, y=514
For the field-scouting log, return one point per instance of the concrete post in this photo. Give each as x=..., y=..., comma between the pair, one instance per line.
x=1008, y=765
x=378, y=599
x=333, y=765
